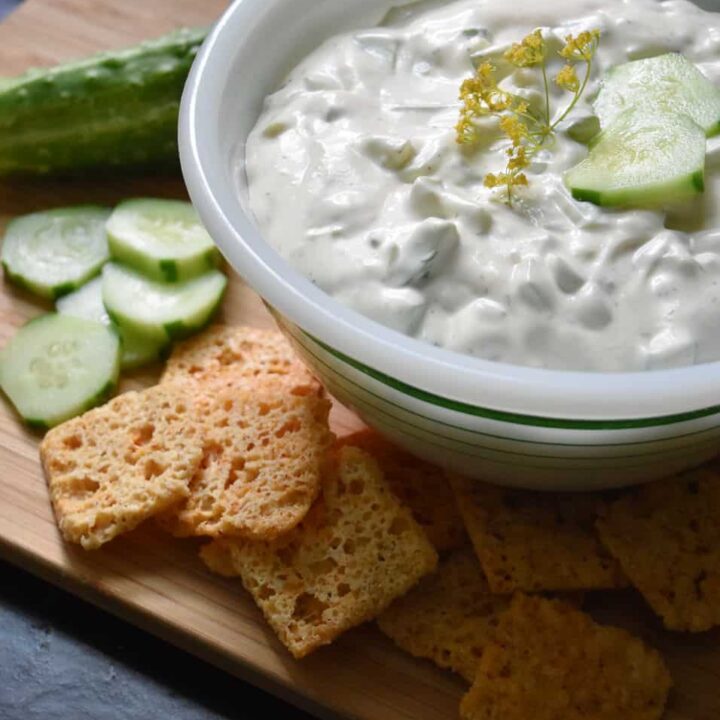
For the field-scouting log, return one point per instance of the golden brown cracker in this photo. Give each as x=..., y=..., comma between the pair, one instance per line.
x=666, y=536
x=356, y=551
x=420, y=485
x=550, y=661
x=217, y=555
x=226, y=355
x=536, y=542
x=449, y=617
x=120, y=464
x=263, y=455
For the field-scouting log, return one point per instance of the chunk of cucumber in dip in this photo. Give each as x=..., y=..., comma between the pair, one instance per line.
x=643, y=161
x=162, y=238
x=668, y=83
x=53, y=253
x=58, y=366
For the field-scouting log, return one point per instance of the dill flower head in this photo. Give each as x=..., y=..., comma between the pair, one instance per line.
x=529, y=52
x=567, y=79
x=582, y=46
x=526, y=129
x=480, y=96
x=514, y=128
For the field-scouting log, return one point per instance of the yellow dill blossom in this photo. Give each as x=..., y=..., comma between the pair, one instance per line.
x=505, y=180
x=527, y=131
x=581, y=47
x=518, y=159
x=514, y=128
x=528, y=53
x=480, y=97
x=567, y=79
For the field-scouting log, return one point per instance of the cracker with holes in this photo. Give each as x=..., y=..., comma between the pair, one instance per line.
x=227, y=356
x=217, y=556
x=116, y=466
x=356, y=551
x=550, y=661
x=261, y=469
x=449, y=617
x=536, y=541
x=419, y=485
x=666, y=536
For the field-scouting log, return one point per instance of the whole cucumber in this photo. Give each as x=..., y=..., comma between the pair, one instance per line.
x=117, y=110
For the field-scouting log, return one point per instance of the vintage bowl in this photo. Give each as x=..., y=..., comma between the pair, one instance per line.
x=512, y=425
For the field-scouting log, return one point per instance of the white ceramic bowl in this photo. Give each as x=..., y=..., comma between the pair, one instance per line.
x=512, y=425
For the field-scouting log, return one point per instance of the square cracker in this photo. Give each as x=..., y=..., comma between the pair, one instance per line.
x=420, y=486
x=226, y=355
x=536, y=542
x=550, y=661
x=263, y=456
x=449, y=617
x=120, y=464
x=666, y=536
x=217, y=555
x=356, y=551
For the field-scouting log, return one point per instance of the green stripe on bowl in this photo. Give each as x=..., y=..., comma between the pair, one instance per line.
x=512, y=418
x=383, y=407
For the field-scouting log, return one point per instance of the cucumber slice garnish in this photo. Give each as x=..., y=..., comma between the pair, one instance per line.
x=57, y=366
x=667, y=83
x=642, y=160
x=52, y=253
x=162, y=238
x=165, y=311
x=137, y=350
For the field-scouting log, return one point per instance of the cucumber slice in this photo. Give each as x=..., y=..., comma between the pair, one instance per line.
x=137, y=350
x=162, y=238
x=642, y=160
x=52, y=253
x=667, y=83
x=161, y=310
x=57, y=366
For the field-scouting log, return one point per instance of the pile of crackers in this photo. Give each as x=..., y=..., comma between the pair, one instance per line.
x=234, y=445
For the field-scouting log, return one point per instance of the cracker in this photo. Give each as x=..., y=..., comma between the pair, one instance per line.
x=261, y=469
x=217, y=555
x=356, y=551
x=120, y=464
x=552, y=662
x=421, y=486
x=225, y=355
x=666, y=536
x=536, y=542
x=449, y=617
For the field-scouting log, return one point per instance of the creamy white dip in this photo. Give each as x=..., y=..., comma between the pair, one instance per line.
x=355, y=177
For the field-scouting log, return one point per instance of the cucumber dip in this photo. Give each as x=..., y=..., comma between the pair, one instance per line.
x=356, y=177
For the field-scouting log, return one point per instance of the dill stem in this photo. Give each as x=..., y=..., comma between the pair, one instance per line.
x=547, y=94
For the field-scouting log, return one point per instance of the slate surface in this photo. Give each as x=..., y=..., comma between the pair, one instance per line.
x=62, y=659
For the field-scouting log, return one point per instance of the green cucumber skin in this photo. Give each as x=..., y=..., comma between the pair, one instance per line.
x=172, y=331
x=56, y=292
x=116, y=110
x=689, y=187
x=170, y=271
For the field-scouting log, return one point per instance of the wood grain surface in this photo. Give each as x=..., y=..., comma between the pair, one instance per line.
x=159, y=583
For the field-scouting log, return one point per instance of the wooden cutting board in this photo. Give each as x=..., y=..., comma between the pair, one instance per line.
x=159, y=583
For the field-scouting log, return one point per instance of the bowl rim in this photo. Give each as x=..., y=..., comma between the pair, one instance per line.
x=448, y=380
